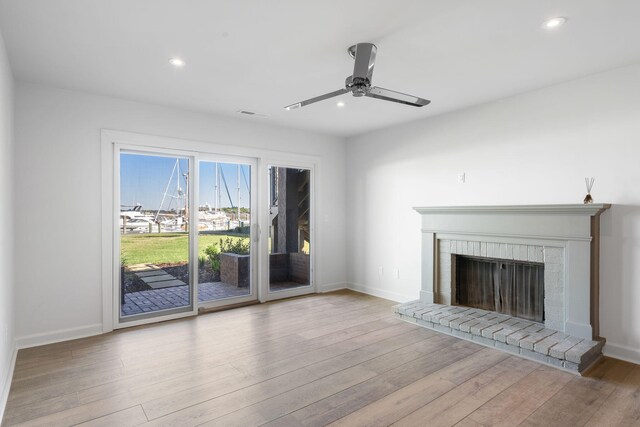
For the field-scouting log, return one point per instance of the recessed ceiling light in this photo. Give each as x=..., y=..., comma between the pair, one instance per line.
x=554, y=22
x=340, y=104
x=177, y=62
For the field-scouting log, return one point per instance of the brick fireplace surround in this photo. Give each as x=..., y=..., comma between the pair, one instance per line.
x=563, y=237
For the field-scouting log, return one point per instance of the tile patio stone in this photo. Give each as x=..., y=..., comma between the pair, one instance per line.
x=149, y=273
x=158, y=278
x=166, y=283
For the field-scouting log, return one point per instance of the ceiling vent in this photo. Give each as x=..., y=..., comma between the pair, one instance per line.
x=251, y=113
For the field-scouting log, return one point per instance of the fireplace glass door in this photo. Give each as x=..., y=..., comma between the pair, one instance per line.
x=508, y=287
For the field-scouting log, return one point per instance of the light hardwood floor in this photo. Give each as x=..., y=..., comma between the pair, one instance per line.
x=337, y=358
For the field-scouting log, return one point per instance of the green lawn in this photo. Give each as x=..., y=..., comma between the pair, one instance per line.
x=164, y=248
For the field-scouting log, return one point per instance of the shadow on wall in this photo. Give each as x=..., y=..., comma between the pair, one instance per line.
x=620, y=274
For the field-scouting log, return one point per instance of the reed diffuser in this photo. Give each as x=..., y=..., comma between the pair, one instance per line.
x=589, y=182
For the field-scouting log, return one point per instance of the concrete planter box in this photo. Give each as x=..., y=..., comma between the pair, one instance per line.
x=234, y=269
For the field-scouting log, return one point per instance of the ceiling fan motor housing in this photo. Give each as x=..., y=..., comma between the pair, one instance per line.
x=364, y=55
x=358, y=86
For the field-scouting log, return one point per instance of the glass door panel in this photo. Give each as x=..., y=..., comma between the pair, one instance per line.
x=224, y=232
x=155, y=274
x=290, y=229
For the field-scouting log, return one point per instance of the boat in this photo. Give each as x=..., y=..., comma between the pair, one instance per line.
x=135, y=220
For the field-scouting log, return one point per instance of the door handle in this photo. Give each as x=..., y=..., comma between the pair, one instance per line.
x=256, y=233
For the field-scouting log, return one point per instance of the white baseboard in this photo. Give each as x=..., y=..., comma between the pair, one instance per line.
x=330, y=287
x=622, y=352
x=7, y=382
x=58, y=336
x=381, y=293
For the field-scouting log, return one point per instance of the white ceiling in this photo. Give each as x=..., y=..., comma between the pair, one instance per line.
x=262, y=55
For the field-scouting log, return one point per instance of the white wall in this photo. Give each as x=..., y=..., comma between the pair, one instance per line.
x=6, y=228
x=58, y=200
x=534, y=148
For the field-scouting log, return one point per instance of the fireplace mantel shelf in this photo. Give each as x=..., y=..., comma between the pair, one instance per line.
x=574, y=209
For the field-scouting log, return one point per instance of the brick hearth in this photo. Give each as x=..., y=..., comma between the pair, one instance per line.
x=527, y=339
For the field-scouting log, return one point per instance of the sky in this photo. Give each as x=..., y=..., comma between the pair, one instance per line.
x=145, y=178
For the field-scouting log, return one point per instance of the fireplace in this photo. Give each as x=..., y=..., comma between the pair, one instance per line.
x=515, y=288
x=522, y=279
x=563, y=240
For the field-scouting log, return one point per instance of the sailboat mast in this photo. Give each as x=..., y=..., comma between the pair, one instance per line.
x=216, y=192
x=238, y=182
x=186, y=202
x=166, y=190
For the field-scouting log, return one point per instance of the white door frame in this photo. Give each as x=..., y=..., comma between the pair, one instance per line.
x=154, y=316
x=267, y=294
x=199, y=149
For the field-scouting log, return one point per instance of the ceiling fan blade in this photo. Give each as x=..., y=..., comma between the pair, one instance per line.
x=316, y=99
x=393, y=96
x=365, y=59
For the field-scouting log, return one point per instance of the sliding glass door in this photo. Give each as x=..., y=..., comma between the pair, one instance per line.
x=225, y=245
x=185, y=234
x=154, y=235
x=290, y=233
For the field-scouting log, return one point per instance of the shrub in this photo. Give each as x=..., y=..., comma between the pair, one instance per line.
x=202, y=260
x=237, y=246
x=213, y=254
x=228, y=245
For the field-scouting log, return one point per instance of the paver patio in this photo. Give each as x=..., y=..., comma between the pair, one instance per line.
x=178, y=296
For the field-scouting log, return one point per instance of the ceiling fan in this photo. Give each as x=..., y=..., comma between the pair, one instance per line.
x=359, y=84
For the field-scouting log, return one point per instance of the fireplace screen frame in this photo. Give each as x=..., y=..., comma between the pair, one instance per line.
x=506, y=286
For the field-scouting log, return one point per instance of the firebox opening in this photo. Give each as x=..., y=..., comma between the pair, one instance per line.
x=509, y=287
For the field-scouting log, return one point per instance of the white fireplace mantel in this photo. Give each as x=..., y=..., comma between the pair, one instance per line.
x=572, y=229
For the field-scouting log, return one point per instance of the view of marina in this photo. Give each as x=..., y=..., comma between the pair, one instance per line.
x=154, y=225
x=157, y=205
x=154, y=231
